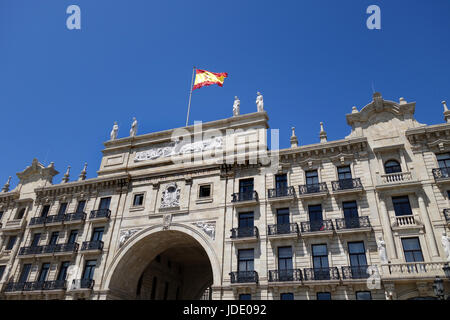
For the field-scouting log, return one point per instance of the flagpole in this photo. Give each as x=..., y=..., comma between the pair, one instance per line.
x=190, y=96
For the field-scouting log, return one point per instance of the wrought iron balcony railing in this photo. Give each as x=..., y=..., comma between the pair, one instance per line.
x=55, y=218
x=281, y=192
x=244, y=196
x=447, y=215
x=100, y=213
x=34, y=286
x=314, y=226
x=244, y=232
x=77, y=216
x=244, y=277
x=278, y=229
x=23, y=251
x=346, y=184
x=331, y=273
x=355, y=272
x=55, y=285
x=66, y=247
x=92, y=245
x=82, y=284
x=313, y=188
x=441, y=173
x=14, y=286
x=37, y=221
x=352, y=223
x=285, y=275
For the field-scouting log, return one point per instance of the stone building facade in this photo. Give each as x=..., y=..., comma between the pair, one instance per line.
x=214, y=213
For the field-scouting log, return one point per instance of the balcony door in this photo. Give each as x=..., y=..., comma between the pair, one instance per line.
x=97, y=234
x=320, y=262
x=315, y=217
x=45, y=211
x=36, y=238
x=345, y=177
x=312, y=181
x=44, y=272
x=444, y=163
x=62, y=275
x=285, y=272
x=104, y=203
x=246, y=265
x=413, y=253
x=62, y=209
x=81, y=205
x=401, y=206
x=73, y=236
x=351, y=218
x=25, y=273
x=89, y=269
x=358, y=261
x=246, y=189
x=281, y=185
x=283, y=223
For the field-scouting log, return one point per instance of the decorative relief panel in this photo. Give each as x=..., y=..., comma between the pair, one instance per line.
x=208, y=227
x=126, y=234
x=171, y=196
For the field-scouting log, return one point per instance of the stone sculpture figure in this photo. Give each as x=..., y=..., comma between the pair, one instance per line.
x=133, y=130
x=446, y=245
x=236, y=106
x=114, y=131
x=259, y=102
x=382, y=250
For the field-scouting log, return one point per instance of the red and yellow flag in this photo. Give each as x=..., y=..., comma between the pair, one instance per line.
x=205, y=78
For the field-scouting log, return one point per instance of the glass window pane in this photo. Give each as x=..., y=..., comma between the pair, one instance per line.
x=323, y=296
x=363, y=295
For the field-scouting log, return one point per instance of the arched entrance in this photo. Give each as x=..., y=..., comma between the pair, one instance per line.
x=179, y=263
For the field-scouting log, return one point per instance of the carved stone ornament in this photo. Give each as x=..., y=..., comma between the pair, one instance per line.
x=178, y=148
x=171, y=196
x=208, y=227
x=167, y=219
x=126, y=234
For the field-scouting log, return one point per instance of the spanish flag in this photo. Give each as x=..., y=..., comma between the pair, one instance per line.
x=205, y=78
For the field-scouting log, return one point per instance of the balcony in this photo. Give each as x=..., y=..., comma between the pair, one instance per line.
x=55, y=219
x=441, y=175
x=244, y=277
x=100, y=215
x=35, y=286
x=395, y=180
x=311, y=228
x=351, y=225
x=320, y=274
x=14, y=225
x=406, y=222
x=244, y=198
x=347, y=186
x=355, y=272
x=413, y=270
x=245, y=234
x=281, y=194
x=37, y=222
x=282, y=231
x=92, y=246
x=287, y=275
x=447, y=215
x=82, y=285
x=66, y=249
x=48, y=250
x=73, y=218
x=313, y=190
x=30, y=251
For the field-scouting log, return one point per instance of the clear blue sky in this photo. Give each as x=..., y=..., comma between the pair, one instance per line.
x=61, y=90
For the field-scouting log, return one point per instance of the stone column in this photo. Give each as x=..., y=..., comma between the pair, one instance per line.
x=428, y=227
x=389, y=237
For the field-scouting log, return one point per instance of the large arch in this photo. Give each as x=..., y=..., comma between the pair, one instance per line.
x=122, y=275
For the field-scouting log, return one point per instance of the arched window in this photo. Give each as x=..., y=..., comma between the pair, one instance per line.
x=392, y=166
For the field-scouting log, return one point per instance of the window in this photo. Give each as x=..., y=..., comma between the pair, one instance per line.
x=350, y=214
x=154, y=284
x=11, y=242
x=320, y=262
x=138, y=200
x=392, y=166
x=25, y=272
x=285, y=272
x=73, y=236
x=1, y=215
x=281, y=181
x=412, y=250
x=81, y=205
x=283, y=216
x=246, y=220
x=245, y=296
x=45, y=211
x=54, y=238
x=2, y=270
x=89, y=269
x=312, y=177
x=205, y=191
x=245, y=257
x=443, y=160
x=323, y=296
x=287, y=296
x=104, y=203
x=401, y=206
x=246, y=186
x=315, y=217
x=358, y=262
x=363, y=295
x=36, y=238
x=62, y=208
x=21, y=213
x=97, y=234
x=44, y=272
x=344, y=173
x=62, y=275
